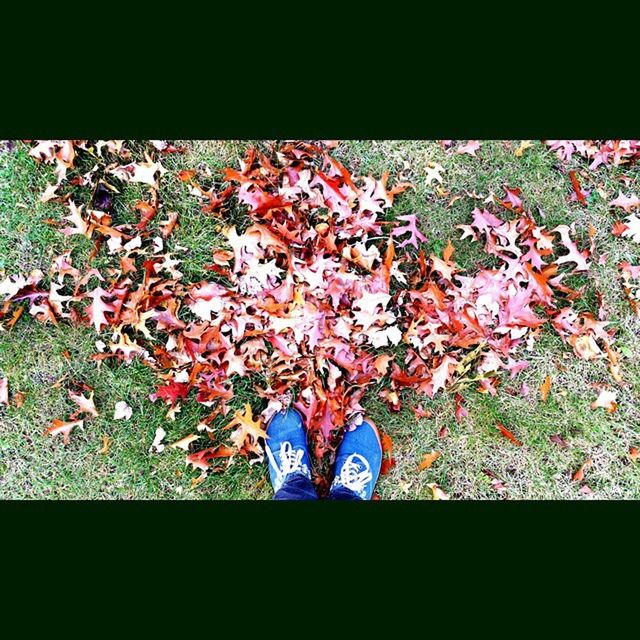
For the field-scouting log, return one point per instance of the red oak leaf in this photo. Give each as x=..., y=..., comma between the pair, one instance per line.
x=619, y=228
x=411, y=228
x=626, y=202
x=173, y=392
x=63, y=428
x=470, y=148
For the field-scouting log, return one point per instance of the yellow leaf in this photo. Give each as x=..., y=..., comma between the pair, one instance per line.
x=106, y=445
x=524, y=144
x=438, y=493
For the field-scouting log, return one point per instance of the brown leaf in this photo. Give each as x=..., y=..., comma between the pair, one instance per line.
x=19, y=399
x=428, y=459
x=507, y=434
x=559, y=440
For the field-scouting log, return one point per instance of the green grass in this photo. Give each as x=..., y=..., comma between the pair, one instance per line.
x=32, y=355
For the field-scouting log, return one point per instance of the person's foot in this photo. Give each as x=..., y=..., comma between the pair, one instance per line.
x=286, y=448
x=358, y=461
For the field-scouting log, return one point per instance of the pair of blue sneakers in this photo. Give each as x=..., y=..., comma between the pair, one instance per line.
x=358, y=460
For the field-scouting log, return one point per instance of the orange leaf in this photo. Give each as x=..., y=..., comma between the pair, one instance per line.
x=428, y=459
x=186, y=175
x=64, y=428
x=15, y=317
x=507, y=434
x=618, y=228
x=578, y=476
x=388, y=462
x=19, y=399
x=634, y=454
x=448, y=251
x=545, y=387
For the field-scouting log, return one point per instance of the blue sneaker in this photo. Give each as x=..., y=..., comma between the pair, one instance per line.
x=286, y=448
x=358, y=462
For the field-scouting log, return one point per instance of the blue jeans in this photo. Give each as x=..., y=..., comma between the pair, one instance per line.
x=301, y=488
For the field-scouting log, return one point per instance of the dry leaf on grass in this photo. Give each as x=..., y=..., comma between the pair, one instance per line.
x=428, y=459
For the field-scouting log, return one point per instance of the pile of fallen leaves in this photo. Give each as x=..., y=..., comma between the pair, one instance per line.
x=319, y=296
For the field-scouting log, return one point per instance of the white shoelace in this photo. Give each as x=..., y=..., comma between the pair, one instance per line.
x=355, y=474
x=290, y=462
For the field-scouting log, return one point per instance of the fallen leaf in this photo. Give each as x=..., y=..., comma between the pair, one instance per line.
x=545, y=387
x=49, y=193
x=625, y=202
x=64, y=428
x=578, y=476
x=122, y=411
x=619, y=228
x=559, y=440
x=388, y=461
x=106, y=445
x=524, y=144
x=428, y=459
x=185, y=442
x=420, y=412
x=633, y=228
x=448, y=251
x=606, y=400
x=438, y=493
x=86, y=405
x=19, y=399
x=470, y=148
x=575, y=183
x=4, y=392
x=415, y=235
x=156, y=445
x=634, y=454
x=507, y=434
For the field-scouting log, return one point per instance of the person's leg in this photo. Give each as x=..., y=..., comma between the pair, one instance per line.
x=288, y=457
x=298, y=487
x=358, y=462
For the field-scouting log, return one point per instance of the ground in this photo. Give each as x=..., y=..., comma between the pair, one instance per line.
x=473, y=452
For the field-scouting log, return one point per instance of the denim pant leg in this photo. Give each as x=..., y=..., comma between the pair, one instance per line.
x=342, y=493
x=299, y=487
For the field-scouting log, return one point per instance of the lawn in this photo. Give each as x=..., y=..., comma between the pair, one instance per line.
x=476, y=461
